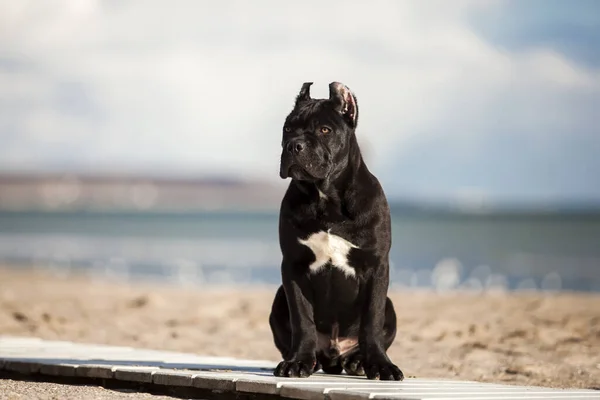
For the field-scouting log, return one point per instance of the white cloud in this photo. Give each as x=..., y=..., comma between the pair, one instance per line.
x=192, y=85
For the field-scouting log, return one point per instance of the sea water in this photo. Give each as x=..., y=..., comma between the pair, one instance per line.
x=472, y=252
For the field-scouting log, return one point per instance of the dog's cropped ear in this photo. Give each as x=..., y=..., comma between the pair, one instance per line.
x=344, y=102
x=304, y=92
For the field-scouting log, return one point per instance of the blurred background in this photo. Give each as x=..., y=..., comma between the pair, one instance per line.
x=140, y=140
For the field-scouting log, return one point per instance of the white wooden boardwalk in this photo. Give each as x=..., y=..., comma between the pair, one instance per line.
x=241, y=377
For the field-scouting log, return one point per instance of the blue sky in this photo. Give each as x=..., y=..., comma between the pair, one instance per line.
x=469, y=100
x=571, y=28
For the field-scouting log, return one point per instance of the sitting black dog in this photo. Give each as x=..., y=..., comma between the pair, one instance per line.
x=332, y=311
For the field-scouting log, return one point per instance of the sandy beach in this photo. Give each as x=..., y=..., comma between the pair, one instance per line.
x=521, y=338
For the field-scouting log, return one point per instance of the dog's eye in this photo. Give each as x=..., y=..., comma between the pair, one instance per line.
x=325, y=129
x=287, y=129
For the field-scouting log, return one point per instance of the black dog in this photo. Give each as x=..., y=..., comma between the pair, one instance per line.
x=332, y=311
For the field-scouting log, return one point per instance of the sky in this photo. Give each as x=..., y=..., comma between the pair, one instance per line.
x=477, y=101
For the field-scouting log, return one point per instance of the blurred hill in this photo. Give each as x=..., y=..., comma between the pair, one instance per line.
x=73, y=192
x=145, y=193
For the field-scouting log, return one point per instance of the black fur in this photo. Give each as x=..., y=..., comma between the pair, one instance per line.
x=333, y=191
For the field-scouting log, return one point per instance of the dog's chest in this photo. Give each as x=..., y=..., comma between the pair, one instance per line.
x=329, y=248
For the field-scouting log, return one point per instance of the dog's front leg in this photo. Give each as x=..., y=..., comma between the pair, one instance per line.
x=376, y=362
x=302, y=360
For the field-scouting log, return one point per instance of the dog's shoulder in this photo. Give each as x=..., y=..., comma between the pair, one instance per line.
x=365, y=193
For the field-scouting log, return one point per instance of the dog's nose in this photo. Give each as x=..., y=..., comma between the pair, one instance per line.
x=294, y=146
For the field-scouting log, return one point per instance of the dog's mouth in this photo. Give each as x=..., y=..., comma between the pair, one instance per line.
x=284, y=168
x=302, y=168
x=290, y=168
x=293, y=171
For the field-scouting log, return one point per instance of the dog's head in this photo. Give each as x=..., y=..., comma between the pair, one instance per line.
x=317, y=133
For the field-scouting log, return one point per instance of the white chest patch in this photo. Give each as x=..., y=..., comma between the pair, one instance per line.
x=329, y=248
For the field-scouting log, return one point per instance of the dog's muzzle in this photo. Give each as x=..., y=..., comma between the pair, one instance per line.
x=292, y=149
x=295, y=146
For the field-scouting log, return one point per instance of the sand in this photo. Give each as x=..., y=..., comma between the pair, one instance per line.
x=20, y=390
x=520, y=338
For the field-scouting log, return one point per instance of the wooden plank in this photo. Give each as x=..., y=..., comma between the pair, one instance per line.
x=134, y=374
x=22, y=366
x=172, y=378
x=62, y=369
x=225, y=374
x=94, y=371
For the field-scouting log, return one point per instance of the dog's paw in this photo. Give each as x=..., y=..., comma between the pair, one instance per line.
x=384, y=370
x=317, y=367
x=353, y=365
x=296, y=368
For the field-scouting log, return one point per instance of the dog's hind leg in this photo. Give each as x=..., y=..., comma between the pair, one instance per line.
x=279, y=320
x=389, y=326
